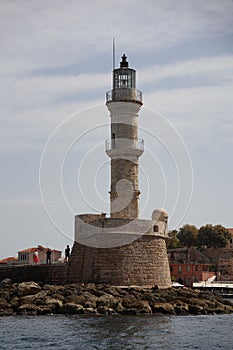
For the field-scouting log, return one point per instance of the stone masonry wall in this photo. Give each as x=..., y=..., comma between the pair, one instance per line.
x=52, y=274
x=142, y=262
x=122, y=206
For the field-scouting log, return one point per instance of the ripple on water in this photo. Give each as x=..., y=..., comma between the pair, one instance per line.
x=118, y=332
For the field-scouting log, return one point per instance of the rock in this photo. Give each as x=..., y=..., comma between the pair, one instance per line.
x=36, y=299
x=104, y=310
x=6, y=312
x=4, y=304
x=181, y=308
x=98, y=293
x=14, y=303
x=121, y=291
x=5, y=308
x=135, y=305
x=143, y=307
x=228, y=309
x=186, y=293
x=89, y=310
x=53, y=289
x=6, y=283
x=6, y=294
x=195, y=309
x=221, y=308
x=86, y=299
x=29, y=298
x=71, y=308
x=164, y=308
x=108, y=301
x=129, y=301
x=54, y=304
x=28, y=288
x=29, y=309
x=113, y=291
x=131, y=311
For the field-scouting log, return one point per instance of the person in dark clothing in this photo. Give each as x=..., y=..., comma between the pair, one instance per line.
x=48, y=256
x=67, y=253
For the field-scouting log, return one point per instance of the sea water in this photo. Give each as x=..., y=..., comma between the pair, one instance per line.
x=117, y=332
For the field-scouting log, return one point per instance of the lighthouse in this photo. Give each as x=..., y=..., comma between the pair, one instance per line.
x=122, y=249
x=124, y=147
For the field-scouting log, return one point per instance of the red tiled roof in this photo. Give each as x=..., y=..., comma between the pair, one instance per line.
x=40, y=248
x=6, y=260
x=31, y=250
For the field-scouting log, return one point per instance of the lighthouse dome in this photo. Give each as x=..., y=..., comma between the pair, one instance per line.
x=159, y=215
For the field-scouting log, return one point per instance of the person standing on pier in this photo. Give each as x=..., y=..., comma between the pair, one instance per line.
x=67, y=253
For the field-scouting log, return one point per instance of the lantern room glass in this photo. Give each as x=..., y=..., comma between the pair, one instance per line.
x=124, y=78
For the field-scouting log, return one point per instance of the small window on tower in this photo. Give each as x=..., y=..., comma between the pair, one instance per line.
x=156, y=228
x=113, y=140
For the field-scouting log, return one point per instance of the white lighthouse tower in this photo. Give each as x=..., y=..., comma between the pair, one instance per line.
x=124, y=148
x=122, y=249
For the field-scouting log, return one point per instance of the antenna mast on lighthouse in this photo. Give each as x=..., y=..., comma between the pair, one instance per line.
x=113, y=54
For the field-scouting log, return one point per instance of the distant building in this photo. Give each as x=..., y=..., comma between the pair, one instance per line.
x=189, y=265
x=230, y=242
x=9, y=260
x=25, y=256
x=188, y=273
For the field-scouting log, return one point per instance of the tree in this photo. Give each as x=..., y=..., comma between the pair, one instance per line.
x=187, y=235
x=173, y=242
x=213, y=236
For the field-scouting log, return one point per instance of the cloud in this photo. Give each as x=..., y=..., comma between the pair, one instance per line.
x=203, y=114
x=46, y=34
x=56, y=59
x=215, y=68
x=35, y=105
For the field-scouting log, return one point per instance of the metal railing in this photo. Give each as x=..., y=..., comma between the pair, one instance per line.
x=124, y=95
x=118, y=144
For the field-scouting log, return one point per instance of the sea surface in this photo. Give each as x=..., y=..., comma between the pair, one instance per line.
x=117, y=332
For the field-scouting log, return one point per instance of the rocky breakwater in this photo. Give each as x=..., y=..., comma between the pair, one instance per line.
x=30, y=298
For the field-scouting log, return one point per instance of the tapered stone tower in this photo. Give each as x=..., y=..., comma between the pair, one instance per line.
x=124, y=148
x=122, y=249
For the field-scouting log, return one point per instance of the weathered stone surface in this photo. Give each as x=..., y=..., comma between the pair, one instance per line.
x=163, y=308
x=71, y=308
x=108, y=300
x=142, y=262
x=181, y=308
x=6, y=312
x=89, y=310
x=6, y=283
x=5, y=308
x=3, y=303
x=36, y=299
x=29, y=309
x=14, y=303
x=144, y=307
x=129, y=301
x=54, y=304
x=28, y=288
x=86, y=299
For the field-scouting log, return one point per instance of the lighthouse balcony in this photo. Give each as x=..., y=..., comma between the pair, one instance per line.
x=124, y=95
x=129, y=148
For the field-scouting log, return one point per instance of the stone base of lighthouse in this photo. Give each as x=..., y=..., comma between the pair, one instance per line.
x=142, y=260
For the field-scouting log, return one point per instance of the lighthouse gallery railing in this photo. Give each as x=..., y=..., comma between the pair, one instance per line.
x=112, y=144
x=124, y=95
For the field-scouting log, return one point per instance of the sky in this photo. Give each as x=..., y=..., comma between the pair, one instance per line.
x=55, y=68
